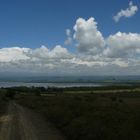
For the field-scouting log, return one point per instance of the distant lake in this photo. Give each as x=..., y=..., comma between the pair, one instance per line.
x=17, y=84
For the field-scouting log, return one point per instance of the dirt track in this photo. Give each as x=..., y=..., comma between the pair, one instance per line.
x=20, y=123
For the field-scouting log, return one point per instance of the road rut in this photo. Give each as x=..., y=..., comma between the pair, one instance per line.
x=20, y=123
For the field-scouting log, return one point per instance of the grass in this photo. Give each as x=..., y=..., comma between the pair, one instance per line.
x=89, y=115
x=3, y=103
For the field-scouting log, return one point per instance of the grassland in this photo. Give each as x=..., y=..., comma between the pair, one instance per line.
x=103, y=113
x=3, y=103
x=83, y=113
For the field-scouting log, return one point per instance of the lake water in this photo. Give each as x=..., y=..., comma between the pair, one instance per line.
x=17, y=84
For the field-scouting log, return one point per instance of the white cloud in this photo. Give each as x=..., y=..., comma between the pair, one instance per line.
x=69, y=39
x=118, y=53
x=129, y=12
x=68, y=32
x=13, y=54
x=58, y=52
x=40, y=59
x=89, y=39
x=123, y=45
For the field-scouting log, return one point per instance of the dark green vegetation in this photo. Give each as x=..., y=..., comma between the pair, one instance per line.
x=3, y=102
x=101, y=113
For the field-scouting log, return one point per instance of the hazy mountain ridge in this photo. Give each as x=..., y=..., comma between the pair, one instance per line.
x=76, y=79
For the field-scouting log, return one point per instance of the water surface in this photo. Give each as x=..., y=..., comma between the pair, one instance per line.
x=27, y=84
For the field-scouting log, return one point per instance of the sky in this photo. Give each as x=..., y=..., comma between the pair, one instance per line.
x=70, y=37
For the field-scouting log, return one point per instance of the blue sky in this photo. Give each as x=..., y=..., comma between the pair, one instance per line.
x=103, y=37
x=32, y=23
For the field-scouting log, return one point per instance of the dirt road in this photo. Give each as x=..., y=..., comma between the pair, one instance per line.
x=20, y=123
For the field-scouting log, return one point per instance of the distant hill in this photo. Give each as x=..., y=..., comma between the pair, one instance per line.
x=76, y=79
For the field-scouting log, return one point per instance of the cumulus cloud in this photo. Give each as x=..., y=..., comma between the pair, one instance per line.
x=68, y=32
x=37, y=59
x=118, y=53
x=129, y=12
x=123, y=45
x=89, y=38
x=13, y=54
x=17, y=53
x=69, y=39
x=58, y=52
